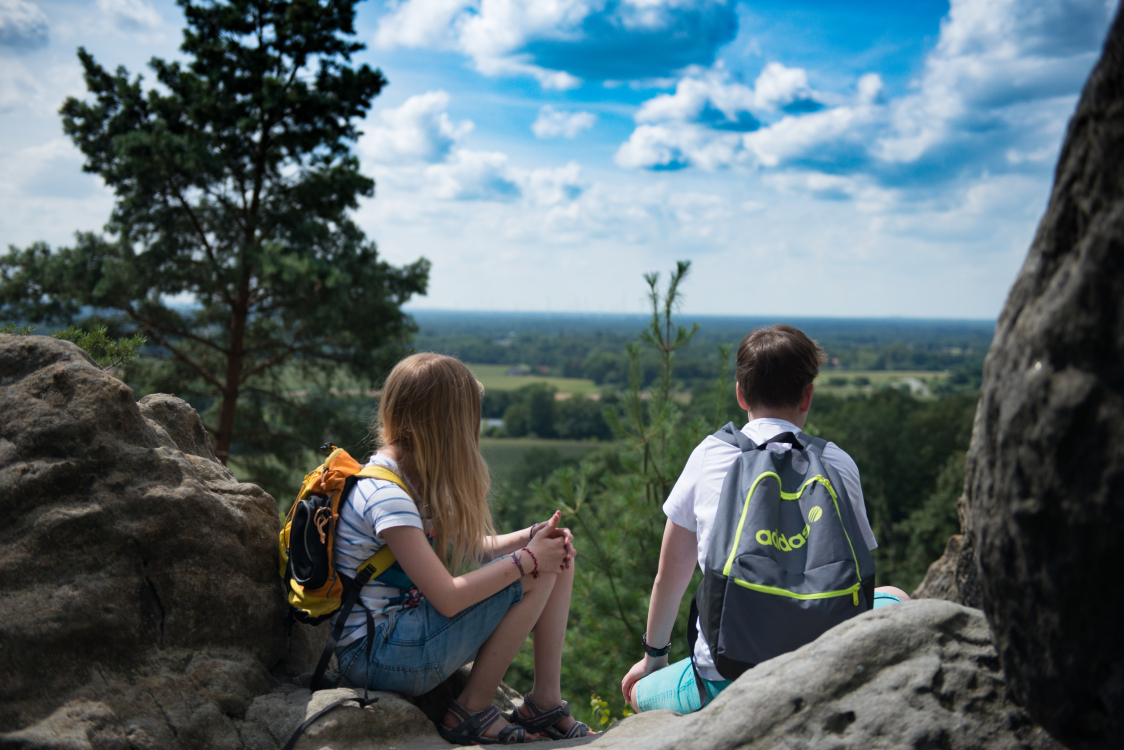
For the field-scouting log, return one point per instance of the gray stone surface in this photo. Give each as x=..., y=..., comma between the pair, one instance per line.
x=140, y=601
x=1045, y=474
x=139, y=593
x=940, y=580
x=921, y=674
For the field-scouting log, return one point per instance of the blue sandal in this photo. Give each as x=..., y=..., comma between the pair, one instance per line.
x=543, y=720
x=471, y=729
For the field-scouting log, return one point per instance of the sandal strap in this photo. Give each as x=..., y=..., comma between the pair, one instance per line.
x=577, y=730
x=473, y=723
x=542, y=720
x=512, y=734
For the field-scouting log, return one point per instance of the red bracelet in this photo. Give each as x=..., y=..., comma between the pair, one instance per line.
x=535, y=572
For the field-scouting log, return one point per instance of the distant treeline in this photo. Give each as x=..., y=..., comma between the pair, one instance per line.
x=593, y=346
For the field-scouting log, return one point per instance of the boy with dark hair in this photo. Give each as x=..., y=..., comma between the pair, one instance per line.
x=776, y=367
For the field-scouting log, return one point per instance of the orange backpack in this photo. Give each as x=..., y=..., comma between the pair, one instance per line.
x=315, y=589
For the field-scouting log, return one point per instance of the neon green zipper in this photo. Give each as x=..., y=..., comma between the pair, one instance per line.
x=854, y=591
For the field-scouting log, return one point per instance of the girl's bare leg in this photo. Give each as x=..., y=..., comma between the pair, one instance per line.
x=549, y=637
x=497, y=653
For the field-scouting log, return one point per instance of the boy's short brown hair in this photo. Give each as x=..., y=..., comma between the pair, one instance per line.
x=776, y=364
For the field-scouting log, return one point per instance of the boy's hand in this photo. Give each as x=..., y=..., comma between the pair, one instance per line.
x=640, y=670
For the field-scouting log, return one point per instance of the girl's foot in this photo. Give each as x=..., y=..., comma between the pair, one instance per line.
x=464, y=727
x=556, y=722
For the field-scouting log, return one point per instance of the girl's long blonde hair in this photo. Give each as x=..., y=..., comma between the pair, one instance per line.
x=430, y=412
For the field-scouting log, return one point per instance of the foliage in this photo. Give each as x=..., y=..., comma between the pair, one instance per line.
x=920, y=538
x=613, y=500
x=233, y=179
x=109, y=353
x=536, y=410
x=902, y=446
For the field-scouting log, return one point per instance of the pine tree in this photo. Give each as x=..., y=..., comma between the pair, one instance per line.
x=234, y=179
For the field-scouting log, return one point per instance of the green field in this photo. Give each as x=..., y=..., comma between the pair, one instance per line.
x=493, y=378
x=917, y=380
x=503, y=454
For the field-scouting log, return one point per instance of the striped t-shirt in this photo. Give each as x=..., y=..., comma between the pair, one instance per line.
x=373, y=506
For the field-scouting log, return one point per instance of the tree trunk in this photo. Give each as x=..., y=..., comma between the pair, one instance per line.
x=233, y=379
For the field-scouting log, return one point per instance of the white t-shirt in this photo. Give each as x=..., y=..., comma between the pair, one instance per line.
x=693, y=502
x=373, y=506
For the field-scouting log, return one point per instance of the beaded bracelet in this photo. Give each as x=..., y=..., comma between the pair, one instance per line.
x=535, y=572
x=518, y=564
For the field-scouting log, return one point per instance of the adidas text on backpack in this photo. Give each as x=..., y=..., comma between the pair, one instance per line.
x=786, y=560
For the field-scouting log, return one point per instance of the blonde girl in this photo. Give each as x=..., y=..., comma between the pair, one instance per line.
x=423, y=621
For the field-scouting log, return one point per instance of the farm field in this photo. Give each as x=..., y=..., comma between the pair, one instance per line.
x=503, y=454
x=851, y=382
x=493, y=378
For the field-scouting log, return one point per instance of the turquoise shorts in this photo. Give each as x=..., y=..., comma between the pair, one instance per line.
x=674, y=688
x=882, y=599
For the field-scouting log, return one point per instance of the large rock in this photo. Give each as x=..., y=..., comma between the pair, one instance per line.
x=1045, y=474
x=139, y=593
x=921, y=674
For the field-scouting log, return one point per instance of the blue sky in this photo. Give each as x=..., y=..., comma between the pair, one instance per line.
x=810, y=158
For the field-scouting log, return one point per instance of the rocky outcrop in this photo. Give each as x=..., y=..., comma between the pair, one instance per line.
x=140, y=605
x=953, y=576
x=139, y=595
x=940, y=580
x=921, y=674
x=1045, y=486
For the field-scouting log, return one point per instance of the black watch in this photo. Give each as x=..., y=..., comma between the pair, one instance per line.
x=654, y=651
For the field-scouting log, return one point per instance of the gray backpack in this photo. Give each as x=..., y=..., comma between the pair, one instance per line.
x=786, y=559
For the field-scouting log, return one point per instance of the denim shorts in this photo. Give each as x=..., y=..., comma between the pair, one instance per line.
x=418, y=648
x=674, y=687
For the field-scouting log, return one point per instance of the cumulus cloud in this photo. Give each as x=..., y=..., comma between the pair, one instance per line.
x=992, y=56
x=561, y=42
x=22, y=25
x=131, y=15
x=553, y=124
x=418, y=130
x=712, y=122
x=993, y=97
x=419, y=147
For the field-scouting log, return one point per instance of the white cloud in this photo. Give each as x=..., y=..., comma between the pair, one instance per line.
x=711, y=122
x=418, y=149
x=421, y=23
x=418, y=130
x=552, y=123
x=22, y=24
x=795, y=137
x=558, y=42
x=491, y=32
x=701, y=90
x=678, y=145
x=132, y=15
x=994, y=96
x=17, y=87
x=993, y=54
x=473, y=175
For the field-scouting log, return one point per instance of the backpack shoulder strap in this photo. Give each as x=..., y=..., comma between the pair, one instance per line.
x=735, y=437
x=812, y=444
x=381, y=472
